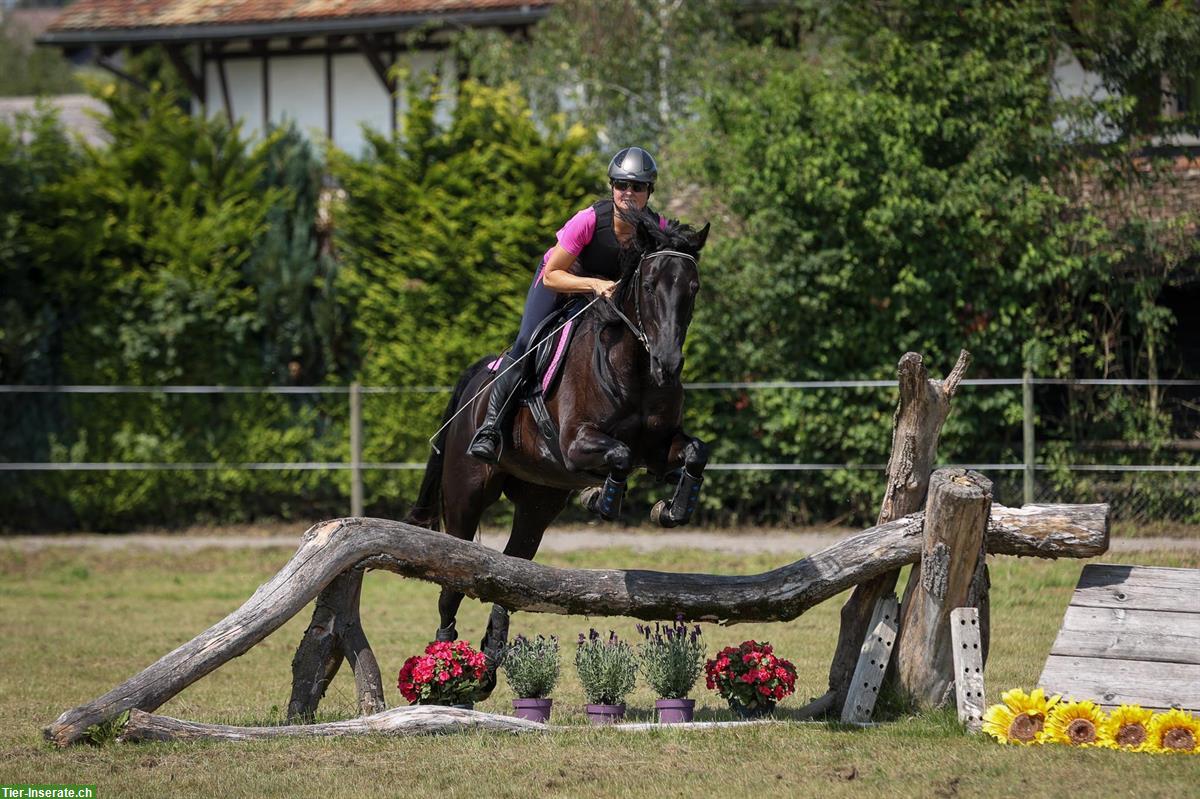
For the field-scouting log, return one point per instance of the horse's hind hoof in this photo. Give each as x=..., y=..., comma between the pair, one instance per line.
x=588, y=497
x=445, y=634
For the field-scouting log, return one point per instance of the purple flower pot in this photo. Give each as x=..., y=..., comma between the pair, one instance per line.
x=533, y=709
x=605, y=714
x=675, y=711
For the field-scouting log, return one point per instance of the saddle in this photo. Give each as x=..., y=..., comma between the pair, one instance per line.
x=542, y=369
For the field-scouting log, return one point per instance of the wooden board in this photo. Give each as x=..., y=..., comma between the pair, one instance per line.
x=872, y=661
x=966, y=641
x=1131, y=635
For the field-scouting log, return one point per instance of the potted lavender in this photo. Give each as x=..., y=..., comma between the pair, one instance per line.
x=671, y=659
x=607, y=669
x=531, y=666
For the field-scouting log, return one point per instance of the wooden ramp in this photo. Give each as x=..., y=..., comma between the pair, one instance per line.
x=1131, y=635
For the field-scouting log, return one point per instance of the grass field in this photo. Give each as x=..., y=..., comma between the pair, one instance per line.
x=75, y=623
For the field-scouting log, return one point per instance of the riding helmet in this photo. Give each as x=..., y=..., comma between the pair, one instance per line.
x=633, y=163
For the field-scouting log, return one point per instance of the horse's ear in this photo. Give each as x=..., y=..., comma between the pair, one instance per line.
x=700, y=237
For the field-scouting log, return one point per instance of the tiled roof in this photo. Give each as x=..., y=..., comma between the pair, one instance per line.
x=98, y=15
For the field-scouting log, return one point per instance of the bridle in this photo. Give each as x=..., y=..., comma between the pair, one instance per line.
x=636, y=281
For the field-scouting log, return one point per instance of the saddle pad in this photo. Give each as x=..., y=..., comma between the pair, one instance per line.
x=549, y=356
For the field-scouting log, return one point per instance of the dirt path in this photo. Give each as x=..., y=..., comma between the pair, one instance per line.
x=748, y=541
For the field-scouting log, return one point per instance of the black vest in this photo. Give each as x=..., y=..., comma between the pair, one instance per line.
x=602, y=255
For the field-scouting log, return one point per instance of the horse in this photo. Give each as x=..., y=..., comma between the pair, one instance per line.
x=617, y=406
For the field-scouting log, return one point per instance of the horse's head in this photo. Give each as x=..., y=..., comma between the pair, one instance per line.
x=662, y=291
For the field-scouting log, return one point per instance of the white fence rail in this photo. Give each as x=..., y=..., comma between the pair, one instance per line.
x=1029, y=467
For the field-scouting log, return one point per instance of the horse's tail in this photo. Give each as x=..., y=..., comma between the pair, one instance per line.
x=427, y=510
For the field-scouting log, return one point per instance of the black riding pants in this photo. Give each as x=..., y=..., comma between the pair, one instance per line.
x=540, y=302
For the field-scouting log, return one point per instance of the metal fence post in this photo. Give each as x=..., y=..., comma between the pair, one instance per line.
x=356, y=483
x=1027, y=402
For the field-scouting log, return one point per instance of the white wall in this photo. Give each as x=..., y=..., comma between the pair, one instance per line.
x=298, y=93
x=358, y=97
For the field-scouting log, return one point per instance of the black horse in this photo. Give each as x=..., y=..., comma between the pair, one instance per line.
x=617, y=406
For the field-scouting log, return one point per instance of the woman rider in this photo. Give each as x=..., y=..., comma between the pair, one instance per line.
x=593, y=237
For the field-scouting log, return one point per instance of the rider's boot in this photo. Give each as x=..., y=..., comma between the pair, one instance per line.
x=488, y=440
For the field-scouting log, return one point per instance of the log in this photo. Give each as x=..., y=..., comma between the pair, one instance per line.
x=411, y=720
x=335, y=633
x=955, y=520
x=922, y=410
x=330, y=548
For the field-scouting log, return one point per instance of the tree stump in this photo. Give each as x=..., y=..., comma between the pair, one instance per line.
x=334, y=633
x=955, y=521
x=922, y=410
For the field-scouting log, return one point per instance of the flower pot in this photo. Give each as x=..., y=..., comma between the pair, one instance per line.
x=756, y=711
x=605, y=714
x=533, y=709
x=675, y=711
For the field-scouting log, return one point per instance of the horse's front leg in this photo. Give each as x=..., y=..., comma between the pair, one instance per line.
x=688, y=456
x=593, y=450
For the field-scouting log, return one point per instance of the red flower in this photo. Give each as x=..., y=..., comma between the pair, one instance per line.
x=750, y=673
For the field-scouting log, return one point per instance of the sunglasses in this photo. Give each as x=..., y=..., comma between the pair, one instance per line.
x=630, y=185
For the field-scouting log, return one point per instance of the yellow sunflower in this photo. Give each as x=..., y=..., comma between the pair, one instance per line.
x=1175, y=732
x=1127, y=728
x=1075, y=724
x=1020, y=718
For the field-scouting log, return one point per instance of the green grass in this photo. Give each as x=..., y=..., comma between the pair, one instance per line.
x=75, y=623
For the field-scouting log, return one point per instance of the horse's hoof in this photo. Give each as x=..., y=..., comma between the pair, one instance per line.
x=487, y=684
x=660, y=514
x=446, y=634
x=589, y=497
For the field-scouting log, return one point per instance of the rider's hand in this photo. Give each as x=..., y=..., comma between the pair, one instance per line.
x=604, y=288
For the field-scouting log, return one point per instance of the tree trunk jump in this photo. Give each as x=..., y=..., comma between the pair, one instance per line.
x=331, y=548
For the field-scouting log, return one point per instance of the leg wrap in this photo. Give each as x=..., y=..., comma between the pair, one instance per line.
x=608, y=504
x=683, y=502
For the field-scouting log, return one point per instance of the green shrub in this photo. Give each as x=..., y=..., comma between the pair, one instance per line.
x=671, y=658
x=531, y=666
x=607, y=668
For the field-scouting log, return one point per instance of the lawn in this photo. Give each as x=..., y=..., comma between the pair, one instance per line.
x=77, y=622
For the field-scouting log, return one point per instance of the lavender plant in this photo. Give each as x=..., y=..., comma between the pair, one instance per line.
x=607, y=668
x=671, y=658
x=532, y=666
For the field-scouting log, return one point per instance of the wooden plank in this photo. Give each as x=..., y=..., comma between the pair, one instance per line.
x=1108, y=573
x=967, y=643
x=1158, y=636
x=1118, y=682
x=1138, y=596
x=872, y=662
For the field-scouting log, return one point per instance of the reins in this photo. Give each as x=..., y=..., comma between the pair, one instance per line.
x=637, y=330
x=636, y=282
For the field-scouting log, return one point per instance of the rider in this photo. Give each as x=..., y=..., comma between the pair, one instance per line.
x=593, y=238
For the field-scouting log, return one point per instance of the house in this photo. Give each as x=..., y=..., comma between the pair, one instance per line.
x=325, y=64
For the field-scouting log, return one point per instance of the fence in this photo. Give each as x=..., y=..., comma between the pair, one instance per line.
x=1141, y=494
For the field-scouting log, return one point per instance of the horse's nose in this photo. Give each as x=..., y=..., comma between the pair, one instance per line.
x=665, y=370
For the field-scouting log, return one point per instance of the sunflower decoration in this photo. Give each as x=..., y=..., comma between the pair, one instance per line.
x=1127, y=728
x=1075, y=724
x=1174, y=732
x=1020, y=717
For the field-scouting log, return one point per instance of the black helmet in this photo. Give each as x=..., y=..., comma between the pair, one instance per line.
x=633, y=163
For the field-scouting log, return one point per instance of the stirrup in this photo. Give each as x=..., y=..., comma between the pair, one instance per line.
x=486, y=445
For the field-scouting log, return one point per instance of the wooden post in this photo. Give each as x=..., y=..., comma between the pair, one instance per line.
x=1028, y=431
x=955, y=520
x=356, y=482
x=923, y=408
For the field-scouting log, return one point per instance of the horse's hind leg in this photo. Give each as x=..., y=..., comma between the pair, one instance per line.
x=463, y=505
x=536, y=507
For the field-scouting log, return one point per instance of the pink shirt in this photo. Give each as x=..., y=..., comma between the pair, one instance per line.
x=577, y=233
